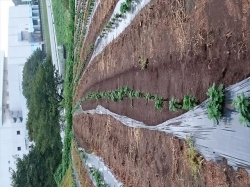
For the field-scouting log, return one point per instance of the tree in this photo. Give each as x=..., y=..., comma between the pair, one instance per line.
x=35, y=169
x=29, y=71
x=40, y=86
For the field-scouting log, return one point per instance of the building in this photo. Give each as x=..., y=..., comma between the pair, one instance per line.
x=21, y=2
x=13, y=141
x=24, y=38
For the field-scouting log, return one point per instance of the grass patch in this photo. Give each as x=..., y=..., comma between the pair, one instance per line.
x=192, y=157
x=68, y=179
x=46, y=27
x=65, y=35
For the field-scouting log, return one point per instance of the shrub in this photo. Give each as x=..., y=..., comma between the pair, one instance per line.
x=241, y=104
x=174, y=105
x=189, y=102
x=214, y=106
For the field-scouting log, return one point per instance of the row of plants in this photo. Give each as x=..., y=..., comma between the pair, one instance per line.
x=214, y=106
x=78, y=28
x=97, y=177
x=125, y=92
x=80, y=37
x=96, y=174
x=125, y=7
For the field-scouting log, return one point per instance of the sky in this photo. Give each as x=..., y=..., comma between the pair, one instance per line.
x=4, y=21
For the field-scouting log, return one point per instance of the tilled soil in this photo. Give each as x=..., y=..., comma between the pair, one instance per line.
x=144, y=158
x=188, y=46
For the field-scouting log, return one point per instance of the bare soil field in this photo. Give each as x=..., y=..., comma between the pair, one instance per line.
x=188, y=45
x=211, y=49
x=141, y=158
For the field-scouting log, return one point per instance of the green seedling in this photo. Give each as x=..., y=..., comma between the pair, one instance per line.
x=158, y=102
x=242, y=104
x=216, y=99
x=174, y=105
x=189, y=102
x=148, y=97
x=124, y=8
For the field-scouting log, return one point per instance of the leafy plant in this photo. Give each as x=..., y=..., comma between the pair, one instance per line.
x=138, y=94
x=117, y=15
x=189, y=102
x=124, y=7
x=174, y=105
x=214, y=106
x=148, y=97
x=158, y=102
x=98, y=177
x=242, y=105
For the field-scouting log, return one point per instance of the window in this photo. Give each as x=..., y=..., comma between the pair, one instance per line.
x=19, y=148
x=18, y=132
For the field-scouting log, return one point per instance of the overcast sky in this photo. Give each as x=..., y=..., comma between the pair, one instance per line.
x=4, y=21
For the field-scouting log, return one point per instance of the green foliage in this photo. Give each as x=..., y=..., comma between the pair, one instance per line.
x=61, y=21
x=174, y=105
x=216, y=98
x=158, y=102
x=120, y=94
x=242, y=105
x=91, y=47
x=43, y=117
x=68, y=89
x=36, y=168
x=29, y=72
x=148, y=97
x=117, y=15
x=189, y=102
x=124, y=7
x=98, y=177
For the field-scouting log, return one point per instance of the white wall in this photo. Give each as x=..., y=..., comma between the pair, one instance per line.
x=9, y=142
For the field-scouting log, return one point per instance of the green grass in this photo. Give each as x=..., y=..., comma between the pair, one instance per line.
x=65, y=35
x=46, y=27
